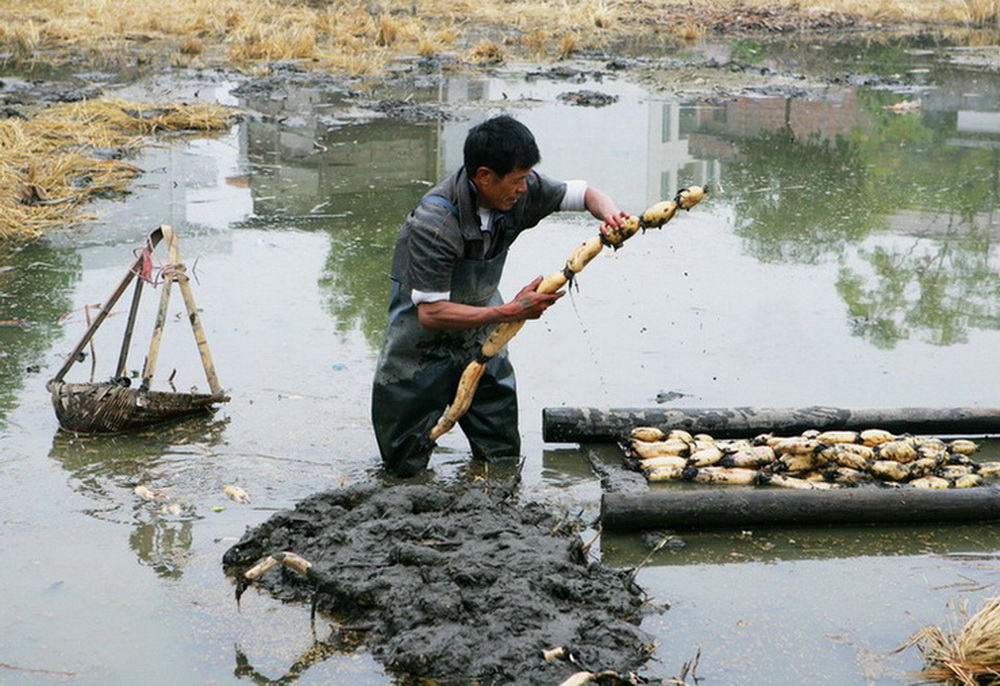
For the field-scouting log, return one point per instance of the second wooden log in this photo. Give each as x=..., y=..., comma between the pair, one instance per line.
x=740, y=507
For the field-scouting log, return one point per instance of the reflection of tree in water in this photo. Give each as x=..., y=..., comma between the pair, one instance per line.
x=799, y=200
x=943, y=284
x=355, y=182
x=807, y=201
x=827, y=53
x=917, y=160
x=941, y=291
x=106, y=469
x=35, y=283
x=356, y=276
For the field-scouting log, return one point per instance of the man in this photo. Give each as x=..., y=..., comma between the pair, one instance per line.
x=444, y=302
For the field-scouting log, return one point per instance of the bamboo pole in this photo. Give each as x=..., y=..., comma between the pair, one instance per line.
x=176, y=271
x=74, y=356
x=161, y=314
x=129, y=329
x=654, y=217
x=184, y=282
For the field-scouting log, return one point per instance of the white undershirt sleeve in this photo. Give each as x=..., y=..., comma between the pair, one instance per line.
x=423, y=297
x=575, y=198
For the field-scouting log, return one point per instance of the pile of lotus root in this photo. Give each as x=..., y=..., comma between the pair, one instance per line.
x=812, y=460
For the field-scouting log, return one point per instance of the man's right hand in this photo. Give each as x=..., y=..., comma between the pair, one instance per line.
x=529, y=303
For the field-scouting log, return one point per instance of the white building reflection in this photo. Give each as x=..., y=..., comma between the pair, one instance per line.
x=636, y=148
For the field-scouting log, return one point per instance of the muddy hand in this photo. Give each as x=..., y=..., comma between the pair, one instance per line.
x=530, y=304
x=616, y=220
x=611, y=229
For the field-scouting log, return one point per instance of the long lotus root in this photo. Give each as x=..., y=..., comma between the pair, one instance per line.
x=653, y=218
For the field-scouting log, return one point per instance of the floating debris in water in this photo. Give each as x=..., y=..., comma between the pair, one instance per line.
x=588, y=98
x=236, y=493
x=147, y=493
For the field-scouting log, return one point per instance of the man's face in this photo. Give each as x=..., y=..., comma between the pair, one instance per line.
x=500, y=192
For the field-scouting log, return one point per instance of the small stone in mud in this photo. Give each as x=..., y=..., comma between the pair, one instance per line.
x=411, y=111
x=588, y=98
x=662, y=540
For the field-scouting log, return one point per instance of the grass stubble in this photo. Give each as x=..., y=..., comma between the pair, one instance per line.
x=53, y=163
x=969, y=656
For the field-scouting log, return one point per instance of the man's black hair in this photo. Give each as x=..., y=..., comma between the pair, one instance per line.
x=501, y=144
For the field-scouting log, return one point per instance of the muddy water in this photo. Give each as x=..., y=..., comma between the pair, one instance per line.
x=844, y=257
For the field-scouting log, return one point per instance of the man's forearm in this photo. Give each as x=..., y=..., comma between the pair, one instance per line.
x=600, y=205
x=445, y=314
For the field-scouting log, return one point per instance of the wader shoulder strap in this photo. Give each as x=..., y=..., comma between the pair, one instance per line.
x=443, y=202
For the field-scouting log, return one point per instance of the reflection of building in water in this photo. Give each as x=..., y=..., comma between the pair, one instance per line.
x=975, y=112
x=636, y=148
x=969, y=106
x=185, y=183
x=304, y=161
x=832, y=114
x=968, y=103
x=672, y=163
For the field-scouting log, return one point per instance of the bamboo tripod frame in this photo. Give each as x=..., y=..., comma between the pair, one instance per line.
x=113, y=405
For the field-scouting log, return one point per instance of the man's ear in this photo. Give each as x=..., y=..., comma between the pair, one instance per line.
x=482, y=175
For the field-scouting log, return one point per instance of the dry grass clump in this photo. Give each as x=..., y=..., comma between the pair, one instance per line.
x=932, y=11
x=568, y=45
x=486, y=52
x=356, y=36
x=983, y=13
x=361, y=36
x=48, y=171
x=54, y=163
x=970, y=657
x=141, y=119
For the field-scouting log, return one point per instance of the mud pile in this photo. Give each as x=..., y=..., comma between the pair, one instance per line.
x=455, y=582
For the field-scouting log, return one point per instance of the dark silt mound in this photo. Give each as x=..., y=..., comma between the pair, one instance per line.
x=455, y=582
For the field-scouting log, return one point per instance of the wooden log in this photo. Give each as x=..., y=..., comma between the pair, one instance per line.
x=583, y=424
x=740, y=507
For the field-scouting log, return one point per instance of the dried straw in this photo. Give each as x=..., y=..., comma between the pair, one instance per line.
x=134, y=119
x=53, y=164
x=970, y=657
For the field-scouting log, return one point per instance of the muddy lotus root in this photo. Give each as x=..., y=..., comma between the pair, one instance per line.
x=812, y=460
